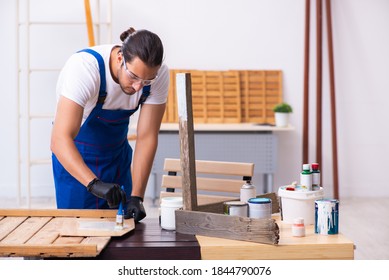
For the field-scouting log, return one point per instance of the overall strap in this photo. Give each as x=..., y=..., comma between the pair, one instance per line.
x=145, y=94
x=103, y=86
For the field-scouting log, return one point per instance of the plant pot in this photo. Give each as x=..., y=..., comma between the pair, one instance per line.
x=282, y=119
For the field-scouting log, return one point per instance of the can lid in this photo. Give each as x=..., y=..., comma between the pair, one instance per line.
x=299, y=221
x=306, y=166
x=235, y=203
x=327, y=201
x=259, y=200
x=172, y=201
x=248, y=185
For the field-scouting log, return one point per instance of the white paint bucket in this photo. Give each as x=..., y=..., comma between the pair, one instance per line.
x=168, y=207
x=298, y=203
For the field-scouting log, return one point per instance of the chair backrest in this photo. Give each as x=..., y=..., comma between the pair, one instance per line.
x=218, y=176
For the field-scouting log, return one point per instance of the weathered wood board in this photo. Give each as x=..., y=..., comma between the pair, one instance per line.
x=190, y=220
x=57, y=233
x=224, y=226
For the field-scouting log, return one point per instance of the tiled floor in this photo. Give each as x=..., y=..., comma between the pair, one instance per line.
x=363, y=220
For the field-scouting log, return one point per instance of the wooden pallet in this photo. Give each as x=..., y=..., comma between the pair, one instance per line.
x=229, y=96
x=57, y=233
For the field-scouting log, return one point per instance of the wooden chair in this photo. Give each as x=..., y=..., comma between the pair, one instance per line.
x=223, y=178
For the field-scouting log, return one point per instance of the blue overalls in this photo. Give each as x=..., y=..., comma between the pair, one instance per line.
x=102, y=143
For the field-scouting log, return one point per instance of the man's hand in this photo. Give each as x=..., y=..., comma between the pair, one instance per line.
x=108, y=191
x=135, y=209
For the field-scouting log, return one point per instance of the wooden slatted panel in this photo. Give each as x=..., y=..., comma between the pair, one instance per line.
x=213, y=167
x=215, y=97
x=244, y=96
x=199, y=96
x=260, y=91
x=171, y=105
x=37, y=233
x=273, y=93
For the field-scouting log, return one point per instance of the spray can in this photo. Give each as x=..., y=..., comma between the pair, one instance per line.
x=306, y=177
x=247, y=191
x=315, y=177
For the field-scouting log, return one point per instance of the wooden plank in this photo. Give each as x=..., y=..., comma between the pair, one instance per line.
x=205, y=184
x=213, y=167
x=92, y=213
x=45, y=251
x=187, y=146
x=231, y=227
x=203, y=200
x=8, y=224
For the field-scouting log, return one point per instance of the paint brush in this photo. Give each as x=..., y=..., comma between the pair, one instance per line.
x=120, y=216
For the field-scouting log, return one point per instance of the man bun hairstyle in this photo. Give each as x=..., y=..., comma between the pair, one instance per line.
x=143, y=44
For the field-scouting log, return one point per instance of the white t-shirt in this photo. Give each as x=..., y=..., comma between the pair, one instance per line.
x=79, y=81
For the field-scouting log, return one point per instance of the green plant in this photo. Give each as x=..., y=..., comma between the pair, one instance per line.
x=282, y=108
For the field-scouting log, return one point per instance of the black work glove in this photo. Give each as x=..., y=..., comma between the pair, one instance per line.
x=135, y=209
x=108, y=191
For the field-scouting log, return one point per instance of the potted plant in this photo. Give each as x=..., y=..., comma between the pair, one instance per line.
x=281, y=113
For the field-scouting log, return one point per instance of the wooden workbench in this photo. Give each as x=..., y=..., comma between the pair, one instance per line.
x=312, y=246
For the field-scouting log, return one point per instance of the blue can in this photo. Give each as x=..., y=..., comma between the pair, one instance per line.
x=326, y=216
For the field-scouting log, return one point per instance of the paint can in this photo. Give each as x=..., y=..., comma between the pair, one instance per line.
x=260, y=207
x=169, y=205
x=326, y=216
x=235, y=208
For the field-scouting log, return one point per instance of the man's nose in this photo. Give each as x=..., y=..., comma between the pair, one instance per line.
x=137, y=86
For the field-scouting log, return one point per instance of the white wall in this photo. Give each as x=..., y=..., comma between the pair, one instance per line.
x=226, y=34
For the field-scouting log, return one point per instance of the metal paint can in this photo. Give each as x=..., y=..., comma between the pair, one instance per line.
x=260, y=208
x=326, y=216
x=235, y=208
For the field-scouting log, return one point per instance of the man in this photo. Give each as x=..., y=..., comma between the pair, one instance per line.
x=98, y=90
